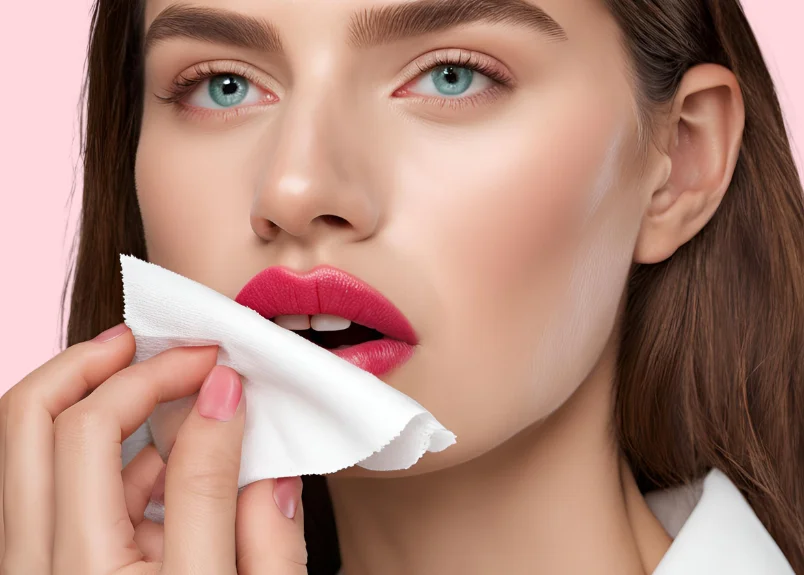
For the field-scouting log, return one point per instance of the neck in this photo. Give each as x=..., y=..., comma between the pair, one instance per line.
x=556, y=498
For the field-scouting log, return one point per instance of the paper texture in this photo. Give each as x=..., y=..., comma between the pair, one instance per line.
x=308, y=411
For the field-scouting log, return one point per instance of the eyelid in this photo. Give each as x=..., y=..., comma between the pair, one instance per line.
x=492, y=67
x=189, y=79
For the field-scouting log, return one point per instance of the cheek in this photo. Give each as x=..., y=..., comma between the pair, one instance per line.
x=194, y=196
x=530, y=245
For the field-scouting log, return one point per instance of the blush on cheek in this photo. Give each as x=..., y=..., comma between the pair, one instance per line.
x=585, y=289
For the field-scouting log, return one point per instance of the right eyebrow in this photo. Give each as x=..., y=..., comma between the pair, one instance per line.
x=214, y=26
x=371, y=27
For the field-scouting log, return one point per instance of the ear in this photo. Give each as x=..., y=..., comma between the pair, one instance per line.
x=702, y=138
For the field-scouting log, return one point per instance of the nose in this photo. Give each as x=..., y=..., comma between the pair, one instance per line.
x=312, y=180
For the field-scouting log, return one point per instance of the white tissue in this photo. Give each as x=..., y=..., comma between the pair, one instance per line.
x=307, y=410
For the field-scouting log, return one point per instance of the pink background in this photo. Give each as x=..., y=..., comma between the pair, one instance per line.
x=42, y=52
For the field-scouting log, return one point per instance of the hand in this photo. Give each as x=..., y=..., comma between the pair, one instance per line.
x=68, y=508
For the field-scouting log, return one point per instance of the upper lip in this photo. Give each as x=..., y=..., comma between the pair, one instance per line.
x=324, y=290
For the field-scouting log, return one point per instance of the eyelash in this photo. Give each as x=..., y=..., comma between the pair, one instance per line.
x=187, y=81
x=469, y=60
x=183, y=85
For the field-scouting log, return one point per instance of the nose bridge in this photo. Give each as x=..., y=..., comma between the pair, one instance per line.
x=310, y=170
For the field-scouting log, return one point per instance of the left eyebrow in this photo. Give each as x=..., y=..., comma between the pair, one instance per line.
x=385, y=24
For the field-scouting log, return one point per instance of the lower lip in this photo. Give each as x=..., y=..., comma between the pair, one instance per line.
x=377, y=357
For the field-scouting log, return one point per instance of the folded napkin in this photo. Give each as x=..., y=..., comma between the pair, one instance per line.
x=307, y=410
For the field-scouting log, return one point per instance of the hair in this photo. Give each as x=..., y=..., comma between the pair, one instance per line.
x=710, y=366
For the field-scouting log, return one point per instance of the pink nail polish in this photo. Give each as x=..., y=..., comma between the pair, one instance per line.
x=220, y=394
x=111, y=333
x=287, y=495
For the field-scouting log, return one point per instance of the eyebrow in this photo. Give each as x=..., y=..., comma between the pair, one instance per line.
x=385, y=24
x=370, y=27
x=214, y=26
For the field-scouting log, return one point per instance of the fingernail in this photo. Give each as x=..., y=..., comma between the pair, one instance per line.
x=220, y=394
x=111, y=333
x=287, y=495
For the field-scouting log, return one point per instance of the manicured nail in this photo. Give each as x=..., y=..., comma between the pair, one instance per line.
x=111, y=333
x=220, y=394
x=287, y=495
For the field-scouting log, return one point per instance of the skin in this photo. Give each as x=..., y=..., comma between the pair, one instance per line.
x=68, y=508
x=504, y=230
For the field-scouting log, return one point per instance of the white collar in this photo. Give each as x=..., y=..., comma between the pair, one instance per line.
x=715, y=531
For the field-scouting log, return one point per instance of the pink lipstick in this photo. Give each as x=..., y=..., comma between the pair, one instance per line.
x=378, y=338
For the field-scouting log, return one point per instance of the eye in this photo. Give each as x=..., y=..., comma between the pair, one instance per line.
x=456, y=76
x=228, y=86
x=224, y=91
x=451, y=81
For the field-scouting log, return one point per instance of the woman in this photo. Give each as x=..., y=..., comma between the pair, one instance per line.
x=587, y=211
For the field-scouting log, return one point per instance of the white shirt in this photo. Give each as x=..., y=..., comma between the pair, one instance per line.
x=715, y=531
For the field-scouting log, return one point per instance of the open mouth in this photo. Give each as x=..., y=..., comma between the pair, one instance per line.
x=328, y=331
x=337, y=312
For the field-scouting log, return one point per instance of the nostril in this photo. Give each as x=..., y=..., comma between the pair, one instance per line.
x=335, y=221
x=265, y=229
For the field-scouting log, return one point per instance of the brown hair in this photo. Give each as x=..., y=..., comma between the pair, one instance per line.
x=711, y=369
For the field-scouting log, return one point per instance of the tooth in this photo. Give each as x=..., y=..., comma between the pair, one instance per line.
x=325, y=322
x=293, y=322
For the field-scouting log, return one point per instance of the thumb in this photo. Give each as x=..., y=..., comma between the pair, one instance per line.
x=201, y=479
x=270, y=528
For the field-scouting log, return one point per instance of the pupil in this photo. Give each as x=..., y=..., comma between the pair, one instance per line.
x=450, y=75
x=229, y=86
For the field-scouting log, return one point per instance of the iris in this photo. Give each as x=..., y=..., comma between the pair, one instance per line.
x=452, y=80
x=228, y=90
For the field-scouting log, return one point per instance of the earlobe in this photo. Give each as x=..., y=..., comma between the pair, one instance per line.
x=703, y=135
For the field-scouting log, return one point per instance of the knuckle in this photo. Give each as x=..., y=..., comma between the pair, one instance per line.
x=77, y=424
x=19, y=406
x=16, y=401
x=209, y=484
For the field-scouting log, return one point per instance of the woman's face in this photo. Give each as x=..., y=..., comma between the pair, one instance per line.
x=482, y=177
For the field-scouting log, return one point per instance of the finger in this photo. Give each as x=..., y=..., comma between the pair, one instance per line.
x=149, y=538
x=268, y=541
x=201, y=481
x=139, y=477
x=93, y=531
x=30, y=408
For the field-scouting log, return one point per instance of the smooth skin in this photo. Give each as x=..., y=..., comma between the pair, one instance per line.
x=69, y=508
x=504, y=230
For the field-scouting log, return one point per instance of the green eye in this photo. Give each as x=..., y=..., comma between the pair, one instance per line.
x=452, y=80
x=228, y=90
